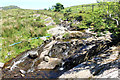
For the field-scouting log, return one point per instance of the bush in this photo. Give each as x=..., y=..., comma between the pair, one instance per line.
x=58, y=7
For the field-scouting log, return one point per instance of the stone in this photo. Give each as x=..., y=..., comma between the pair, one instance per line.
x=111, y=73
x=47, y=48
x=46, y=58
x=33, y=54
x=22, y=71
x=50, y=64
x=1, y=64
x=78, y=74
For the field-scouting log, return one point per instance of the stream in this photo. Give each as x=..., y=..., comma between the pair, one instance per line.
x=56, y=56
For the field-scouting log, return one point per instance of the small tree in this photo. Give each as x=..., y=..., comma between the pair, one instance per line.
x=58, y=7
x=45, y=9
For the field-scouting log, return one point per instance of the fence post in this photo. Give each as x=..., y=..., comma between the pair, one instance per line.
x=92, y=8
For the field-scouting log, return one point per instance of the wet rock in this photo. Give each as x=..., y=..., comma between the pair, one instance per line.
x=111, y=73
x=22, y=71
x=47, y=48
x=58, y=38
x=59, y=50
x=50, y=64
x=53, y=37
x=82, y=56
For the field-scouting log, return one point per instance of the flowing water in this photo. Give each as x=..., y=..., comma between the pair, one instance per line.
x=26, y=66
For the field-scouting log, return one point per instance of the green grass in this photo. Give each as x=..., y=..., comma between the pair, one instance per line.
x=55, y=15
x=98, y=19
x=21, y=25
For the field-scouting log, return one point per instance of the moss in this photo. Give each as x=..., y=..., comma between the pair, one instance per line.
x=20, y=25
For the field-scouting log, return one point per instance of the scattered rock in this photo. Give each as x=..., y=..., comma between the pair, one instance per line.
x=22, y=71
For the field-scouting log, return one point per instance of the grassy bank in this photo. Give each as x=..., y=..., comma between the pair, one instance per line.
x=21, y=25
x=101, y=17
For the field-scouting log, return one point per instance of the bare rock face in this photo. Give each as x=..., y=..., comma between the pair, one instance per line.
x=104, y=65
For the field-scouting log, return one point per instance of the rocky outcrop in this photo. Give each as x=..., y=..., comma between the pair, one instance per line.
x=66, y=59
x=104, y=65
x=79, y=55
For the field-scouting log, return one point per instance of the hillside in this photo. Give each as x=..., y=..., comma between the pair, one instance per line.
x=24, y=27
x=75, y=42
x=9, y=7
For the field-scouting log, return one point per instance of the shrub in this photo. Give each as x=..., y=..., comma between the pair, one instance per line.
x=58, y=7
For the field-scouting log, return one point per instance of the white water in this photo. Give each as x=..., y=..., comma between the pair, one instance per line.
x=18, y=62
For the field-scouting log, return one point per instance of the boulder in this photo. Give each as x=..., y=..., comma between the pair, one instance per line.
x=85, y=73
x=1, y=64
x=33, y=54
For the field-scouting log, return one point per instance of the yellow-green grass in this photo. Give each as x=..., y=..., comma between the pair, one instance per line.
x=21, y=25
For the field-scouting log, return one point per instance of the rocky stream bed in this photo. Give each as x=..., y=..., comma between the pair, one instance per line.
x=80, y=55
